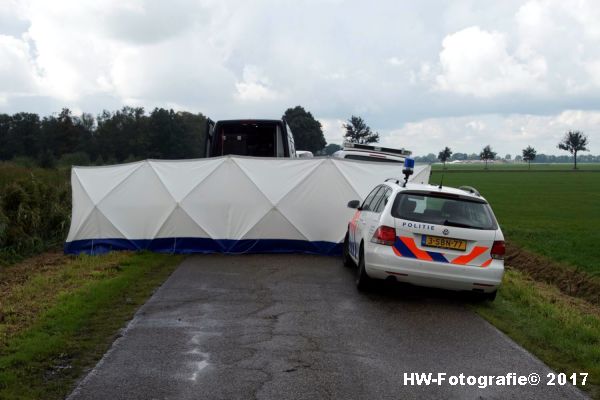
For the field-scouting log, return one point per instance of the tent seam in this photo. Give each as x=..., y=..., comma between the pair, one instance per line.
x=345, y=178
x=210, y=235
x=280, y=213
x=254, y=183
x=205, y=178
x=261, y=192
x=114, y=187
x=298, y=184
x=88, y=214
x=176, y=203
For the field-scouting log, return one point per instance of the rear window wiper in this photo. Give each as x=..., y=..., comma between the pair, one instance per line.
x=459, y=225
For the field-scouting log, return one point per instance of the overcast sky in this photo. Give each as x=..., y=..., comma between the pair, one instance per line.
x=424, y=74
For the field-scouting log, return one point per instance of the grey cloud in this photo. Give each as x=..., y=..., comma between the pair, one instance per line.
x=11, y=26
x=332, y=57
x=153, y=21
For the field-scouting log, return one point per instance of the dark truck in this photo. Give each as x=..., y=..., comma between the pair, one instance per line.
x=250, y=137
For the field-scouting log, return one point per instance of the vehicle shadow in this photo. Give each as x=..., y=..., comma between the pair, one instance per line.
x=391, y=289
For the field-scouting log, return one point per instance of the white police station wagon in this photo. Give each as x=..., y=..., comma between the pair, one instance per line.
x=426, y=235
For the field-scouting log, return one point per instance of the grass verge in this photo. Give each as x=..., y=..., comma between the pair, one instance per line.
x=562, y=331
x=58, y=319
x=570, y=280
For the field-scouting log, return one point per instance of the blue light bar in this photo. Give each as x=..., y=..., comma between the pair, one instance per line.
x=409, y=163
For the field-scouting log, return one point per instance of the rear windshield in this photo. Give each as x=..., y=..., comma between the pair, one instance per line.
x=441, y=210
x=249, y=139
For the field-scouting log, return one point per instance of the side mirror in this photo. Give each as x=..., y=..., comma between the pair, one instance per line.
x=353, y=204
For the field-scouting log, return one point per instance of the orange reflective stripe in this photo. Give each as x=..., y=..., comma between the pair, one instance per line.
x=476, y=252
x=396, y=251
x=354, y=218
x=488, y=262
x=420, y=254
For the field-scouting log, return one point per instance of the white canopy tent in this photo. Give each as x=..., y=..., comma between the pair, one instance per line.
x=225, y=204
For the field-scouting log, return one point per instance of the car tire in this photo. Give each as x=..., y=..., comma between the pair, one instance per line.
x=481, y=297
x=490, y=296
x=363, y=282
x=346, y=259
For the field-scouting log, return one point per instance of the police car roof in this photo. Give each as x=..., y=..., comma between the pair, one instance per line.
x=434, y=188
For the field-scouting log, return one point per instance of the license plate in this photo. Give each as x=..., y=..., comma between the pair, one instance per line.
x=444, y=243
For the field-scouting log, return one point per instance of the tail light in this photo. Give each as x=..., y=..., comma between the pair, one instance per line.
x=498, y=250
x=384, y=235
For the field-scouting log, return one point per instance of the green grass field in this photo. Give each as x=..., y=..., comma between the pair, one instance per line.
x=555, y=214
x=517, y=166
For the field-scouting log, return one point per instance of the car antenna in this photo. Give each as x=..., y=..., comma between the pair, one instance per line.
x=441, y=181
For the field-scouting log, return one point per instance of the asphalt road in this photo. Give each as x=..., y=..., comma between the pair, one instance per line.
x=294, y=327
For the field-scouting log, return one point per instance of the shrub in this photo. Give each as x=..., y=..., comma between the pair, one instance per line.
x=34, y=214
x=3, y=229
x=70, y=159
x=23, y=161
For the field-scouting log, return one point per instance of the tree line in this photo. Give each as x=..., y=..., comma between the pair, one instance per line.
x=573, y=142
x=131, y=134
x=128, y=134
x=357, y=131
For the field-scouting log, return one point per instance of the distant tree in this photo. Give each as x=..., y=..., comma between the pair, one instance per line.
x=165, y=133
x=357, y=131
x=529, y=155
x=573, y=142
x=5, y=151
x=25, y=129
x=307, y=131
x=487, y=154
x=518, y=158
x=63, y=133
x=508, y=157
x=85, y=125
x=428, y=159
x=122, y=133
x=332, y=148
x=19, y=136
x=194, y=133
x=444, y=155
x=126, y=134
x=460, y=156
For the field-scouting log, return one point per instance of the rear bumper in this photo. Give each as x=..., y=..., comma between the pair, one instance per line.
x=381, y=263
